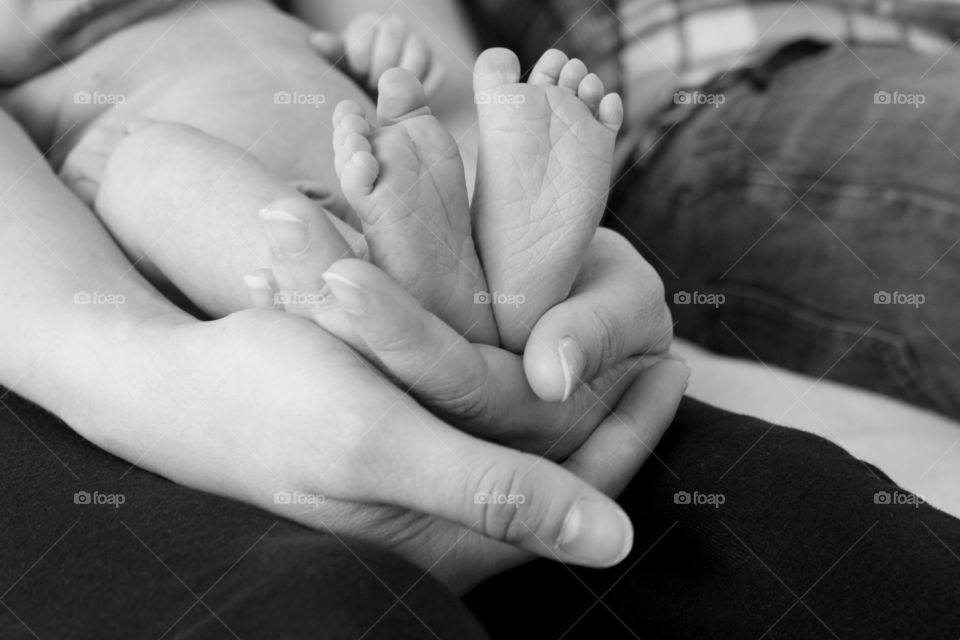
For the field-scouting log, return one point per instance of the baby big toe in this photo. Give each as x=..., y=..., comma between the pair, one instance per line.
x=495, y=67
x=400, y=96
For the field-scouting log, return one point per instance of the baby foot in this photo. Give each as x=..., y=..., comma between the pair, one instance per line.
x=546, y=149
x=372, y=43
x=405, y=180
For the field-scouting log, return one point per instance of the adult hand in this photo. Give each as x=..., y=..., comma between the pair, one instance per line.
x=276, y=404
x=615, y=319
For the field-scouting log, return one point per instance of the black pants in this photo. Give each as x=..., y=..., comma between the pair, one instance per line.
x=744, y=530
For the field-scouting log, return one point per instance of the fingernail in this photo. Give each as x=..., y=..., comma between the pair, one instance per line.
x=682, y=368
x=572, y=363
x=289, y=235
x=596, y=534
x=352, y=298
x=261, y=292
x=258, y=283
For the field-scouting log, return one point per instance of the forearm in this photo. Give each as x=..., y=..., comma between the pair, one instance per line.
x=72, y=303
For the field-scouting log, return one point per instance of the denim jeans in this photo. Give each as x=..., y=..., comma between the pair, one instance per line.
x=811, y=218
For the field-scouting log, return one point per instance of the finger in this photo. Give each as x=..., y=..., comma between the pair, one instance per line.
x=617, y=449
x=387, y=48
x=358, y=40
x=615, y=310
x=482, y=390
x=520, y=499
x=414, y=346
x=303, y=243
x=428, y=357
x=330, y=46
x=263, y=289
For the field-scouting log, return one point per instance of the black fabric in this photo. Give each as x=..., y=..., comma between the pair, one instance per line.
x=800, y=518
x=137, y=570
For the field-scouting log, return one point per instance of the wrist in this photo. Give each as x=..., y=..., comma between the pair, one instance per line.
x=111, y=346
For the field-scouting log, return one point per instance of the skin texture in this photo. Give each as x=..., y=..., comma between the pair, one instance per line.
x=185, y=399
x=546, y=149
x=198, y=407
x=405, y=179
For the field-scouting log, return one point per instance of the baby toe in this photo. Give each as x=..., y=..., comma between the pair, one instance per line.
x=400, y=96
x=590, y=91
x=495, y=67
x=352, y=144
x=349, y=125
x=610, y=112
x=572, y=74
x=360, y=173
x=344, y=108
x=547, y=69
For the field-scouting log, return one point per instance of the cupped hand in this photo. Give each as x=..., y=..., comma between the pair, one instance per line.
x=615, y=318
x=289, y=418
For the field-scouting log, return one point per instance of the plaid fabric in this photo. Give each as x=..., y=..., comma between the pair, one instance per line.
x=585, y=29
x=652, y=50
x=671, y=47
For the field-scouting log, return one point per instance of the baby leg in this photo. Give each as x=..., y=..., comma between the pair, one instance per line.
x=184, y=206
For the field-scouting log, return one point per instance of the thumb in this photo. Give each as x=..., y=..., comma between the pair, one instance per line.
x=509, y=496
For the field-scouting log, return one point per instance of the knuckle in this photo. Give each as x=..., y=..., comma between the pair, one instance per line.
x=507, y=509
x=608, y=333
x=395, y=342
x=658, y=324
x=466, y=405
x=464, y=397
